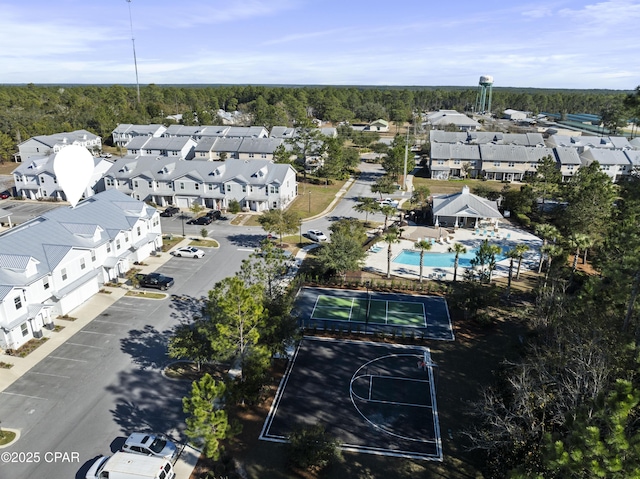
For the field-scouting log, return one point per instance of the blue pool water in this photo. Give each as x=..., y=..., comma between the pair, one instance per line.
x=438, y=260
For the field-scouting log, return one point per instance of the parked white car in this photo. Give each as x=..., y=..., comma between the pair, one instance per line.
x=188, y=251
x=316, y=235
x=388, y=202
x=150, y=445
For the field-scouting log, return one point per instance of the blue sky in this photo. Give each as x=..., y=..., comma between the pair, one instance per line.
x=542, y=44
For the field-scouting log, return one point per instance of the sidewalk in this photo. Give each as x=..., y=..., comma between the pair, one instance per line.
x=333, y=203
x=85, y=313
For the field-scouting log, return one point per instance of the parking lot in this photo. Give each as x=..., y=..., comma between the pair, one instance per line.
x=105, y=381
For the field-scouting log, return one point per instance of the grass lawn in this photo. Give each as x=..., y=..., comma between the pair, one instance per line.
x=204, y=243
x=145, y=294
x=454, y=186
x=6, y=437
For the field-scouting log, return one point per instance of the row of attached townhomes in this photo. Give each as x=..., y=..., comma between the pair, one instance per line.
x=257, y=185
x=513, y=156
x=52, y=264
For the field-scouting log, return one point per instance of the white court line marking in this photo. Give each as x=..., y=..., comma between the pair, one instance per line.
x=351, y=308
x=23, y=395
x=69, y=359
x=47, y=374
x=83, y=345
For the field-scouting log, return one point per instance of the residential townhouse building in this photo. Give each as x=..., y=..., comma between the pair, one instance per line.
x=125, y=132
x=45, y=145
x=483, y=137
x=258, y=185
x=35, y=179
x=614, y=163
x=442, y=118
x=52, y=264
x=172, y=147
x=568, y=161
x=454, y=160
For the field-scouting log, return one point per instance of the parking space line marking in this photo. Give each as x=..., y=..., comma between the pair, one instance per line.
x=247, y=249
x=84, y=345
x=94, y=332
x=23, y=395
x=69, y=359
x=109, y=322
x=47, y=374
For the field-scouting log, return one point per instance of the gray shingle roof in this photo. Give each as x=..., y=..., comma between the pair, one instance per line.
x=465, y=204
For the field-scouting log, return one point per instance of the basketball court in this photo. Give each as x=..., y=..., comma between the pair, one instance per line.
x=368, y=312
x=372, y=397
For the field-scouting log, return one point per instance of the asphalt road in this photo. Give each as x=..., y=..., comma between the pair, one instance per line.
x=105, y=381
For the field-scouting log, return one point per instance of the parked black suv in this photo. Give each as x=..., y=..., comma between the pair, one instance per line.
x=202, y=220
x=170, y=211
x=154, y=280
x=214, y=214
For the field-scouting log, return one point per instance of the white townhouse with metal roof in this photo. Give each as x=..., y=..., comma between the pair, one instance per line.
x=583, y=143
x=35, y=179
x=45, y=145
x=443, y=118
x=258, y=185
x=125, y=132
x=568, y=160
x=52, y=264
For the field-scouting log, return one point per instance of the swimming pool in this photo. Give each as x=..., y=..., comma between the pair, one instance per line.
x=438, y=260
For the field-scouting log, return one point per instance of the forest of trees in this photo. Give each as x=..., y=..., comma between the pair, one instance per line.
x=31, y=110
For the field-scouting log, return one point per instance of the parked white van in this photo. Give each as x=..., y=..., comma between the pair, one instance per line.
x=123, y=465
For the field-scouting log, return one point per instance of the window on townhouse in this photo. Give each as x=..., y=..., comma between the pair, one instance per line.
x=55, y=180
x=197, y=186
x=277, y=190
x=229, y=188
x=244, y=188
x=42, y=179
x=570, y=167
x=456, y=162
x=441, y=162
x=496, y=163
x=138, y=230
x=512, y=164
x=151, y=184
x=135, y=184
x=275, y=204
x=45, y=283
x=149, y=152
x=24, y=328
x=182, y=186
x=64, y=274
x=83, y=264
x=18, y=302
x=251, y=155
x=263, y=155
x=108, y=247
x=93, y=256
x=118, y=244
x=210, y=187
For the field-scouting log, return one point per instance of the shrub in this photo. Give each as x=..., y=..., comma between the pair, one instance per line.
x=234, y=206
x=311, y=448
x=523, y=219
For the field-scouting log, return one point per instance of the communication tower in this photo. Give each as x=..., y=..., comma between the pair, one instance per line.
x=483, y=99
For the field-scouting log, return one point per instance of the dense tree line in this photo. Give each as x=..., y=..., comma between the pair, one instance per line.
x=30, y=110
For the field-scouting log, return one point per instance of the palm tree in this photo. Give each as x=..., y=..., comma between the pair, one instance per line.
x=576, y=241
x=548, y=233
x=367, y=205
x=550, y=251
x=521, y=250
x=512, y=254
x=390, y=237
x=388, y=211
x=458, y=249
x=422, y=245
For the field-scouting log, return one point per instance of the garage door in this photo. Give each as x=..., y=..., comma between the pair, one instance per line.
x=183, y=202
x=78, y=296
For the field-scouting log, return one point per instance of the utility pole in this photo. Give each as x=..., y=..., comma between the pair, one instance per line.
x=406, y=156
x=135, y=61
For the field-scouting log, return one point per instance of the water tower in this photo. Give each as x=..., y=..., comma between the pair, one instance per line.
x=483, y=100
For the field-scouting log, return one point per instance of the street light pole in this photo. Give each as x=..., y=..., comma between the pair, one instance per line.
x=309, y=201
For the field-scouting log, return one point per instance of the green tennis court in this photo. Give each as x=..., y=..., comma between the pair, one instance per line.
x=369, y=310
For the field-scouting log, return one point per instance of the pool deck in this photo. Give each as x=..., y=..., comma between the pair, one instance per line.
x=507, y=236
